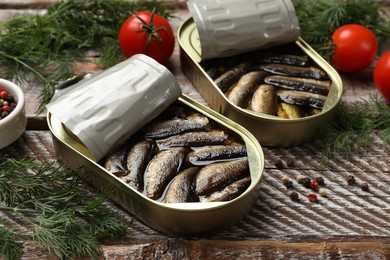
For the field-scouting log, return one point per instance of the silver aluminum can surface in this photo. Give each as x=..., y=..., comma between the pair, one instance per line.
x=230, y=27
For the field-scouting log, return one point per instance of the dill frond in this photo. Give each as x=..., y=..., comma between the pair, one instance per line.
x=354, y=126
x=8, y=247
x=67, y=220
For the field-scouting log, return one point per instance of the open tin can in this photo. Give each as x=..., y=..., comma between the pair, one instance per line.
x=270, y=130
x=189, y=218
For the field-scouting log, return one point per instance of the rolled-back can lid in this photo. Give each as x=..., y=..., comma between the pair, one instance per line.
x=230, y=27
x=110, y=106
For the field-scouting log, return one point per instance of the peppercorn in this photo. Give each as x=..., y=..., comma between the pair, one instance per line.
x=3, y=94
x=320, y=180
x=313, y=184
x=364, y=186
x=322, y=192
x=4, y=114
x=12, y=106
x=351, y=180
x=312, y=197
x=306, y=182
x=5, y=108
x=285, y=179
x=279, y=164
x=290, y=162
x=300, y=178
x=289, y=184
x=294, y=196
x=9, y=98
x=273, y=204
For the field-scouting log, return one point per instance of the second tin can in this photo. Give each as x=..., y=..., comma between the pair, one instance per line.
x=270, y=130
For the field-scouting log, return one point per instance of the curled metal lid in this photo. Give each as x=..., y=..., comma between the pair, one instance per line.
x=104, y=109
x=230, y=27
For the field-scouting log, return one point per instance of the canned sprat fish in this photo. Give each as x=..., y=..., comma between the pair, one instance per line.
x=279, y=82
x=182, y=157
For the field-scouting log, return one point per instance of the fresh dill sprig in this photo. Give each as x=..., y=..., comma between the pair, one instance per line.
x=44, y=48
x=66, y=219
x=353, y=128
x=9, y=248
x=319, y=19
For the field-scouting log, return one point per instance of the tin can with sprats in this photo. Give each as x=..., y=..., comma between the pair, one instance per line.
x=187, y=171
x=283, y=94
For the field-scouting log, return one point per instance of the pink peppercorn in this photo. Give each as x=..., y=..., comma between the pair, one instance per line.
x=5, y=108
x=314, y=184
x=312, y=197
x=3, y=94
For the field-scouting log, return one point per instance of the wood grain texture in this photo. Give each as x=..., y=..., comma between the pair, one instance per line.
x=348, y=223
x=171, y=248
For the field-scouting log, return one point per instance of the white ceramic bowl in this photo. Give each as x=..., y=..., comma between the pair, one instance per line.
x=13, y=125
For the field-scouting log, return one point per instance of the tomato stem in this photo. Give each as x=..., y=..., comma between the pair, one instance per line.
x=150, y=29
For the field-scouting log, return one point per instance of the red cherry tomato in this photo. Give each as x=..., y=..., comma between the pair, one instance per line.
x=147, y=33
x=382, y=75
x=355, y=48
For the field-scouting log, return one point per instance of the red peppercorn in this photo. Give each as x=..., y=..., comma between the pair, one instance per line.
x=314, y=184
x=5, y=108
x=312, y=197
x=3, y=94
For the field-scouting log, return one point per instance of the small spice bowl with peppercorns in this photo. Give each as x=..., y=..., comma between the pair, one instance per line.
x=13, y=119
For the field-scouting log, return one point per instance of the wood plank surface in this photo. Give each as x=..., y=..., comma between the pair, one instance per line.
x=348, y=223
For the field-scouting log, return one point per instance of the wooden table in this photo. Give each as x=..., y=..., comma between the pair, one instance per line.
x=347, y=223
